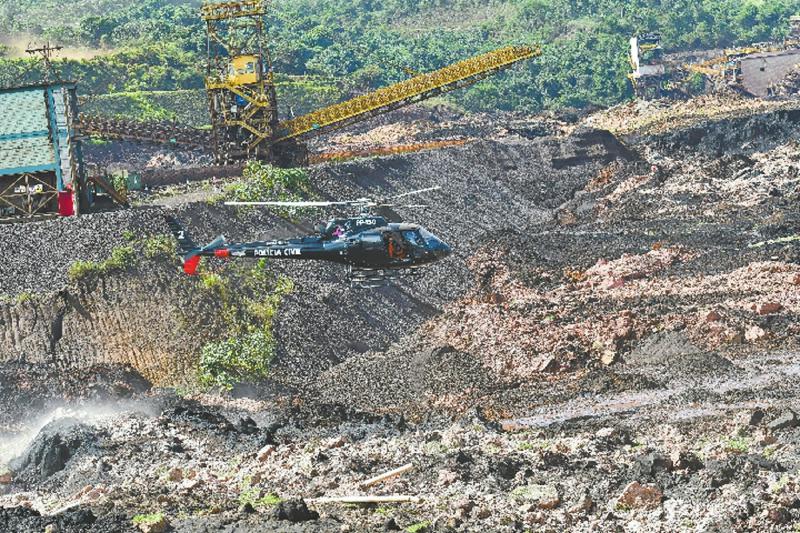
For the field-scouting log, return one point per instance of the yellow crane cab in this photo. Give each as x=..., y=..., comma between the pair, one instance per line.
x=245, y=70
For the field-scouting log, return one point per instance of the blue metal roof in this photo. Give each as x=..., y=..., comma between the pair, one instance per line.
x=25, y=144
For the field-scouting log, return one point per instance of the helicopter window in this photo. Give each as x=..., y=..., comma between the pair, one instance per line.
x=414, y=238
x=427, y=235
x=372, y=242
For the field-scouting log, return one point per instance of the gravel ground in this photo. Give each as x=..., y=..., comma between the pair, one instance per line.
x=39, y=253
x=612, y=347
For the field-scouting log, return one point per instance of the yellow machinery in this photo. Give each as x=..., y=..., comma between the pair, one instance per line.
x=241, y=89
x=245, y=70
x=242, y=99
x=239, y=81
x=405, y=92
x=648, y=71
x=727, y=68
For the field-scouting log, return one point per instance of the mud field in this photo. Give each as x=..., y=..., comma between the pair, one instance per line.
x=613, y=346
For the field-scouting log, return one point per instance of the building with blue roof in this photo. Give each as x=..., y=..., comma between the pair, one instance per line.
x=41, y=170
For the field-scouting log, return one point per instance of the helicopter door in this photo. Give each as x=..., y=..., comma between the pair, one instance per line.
x=372, y=247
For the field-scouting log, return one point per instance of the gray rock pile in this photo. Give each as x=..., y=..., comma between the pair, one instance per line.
x=37, y=255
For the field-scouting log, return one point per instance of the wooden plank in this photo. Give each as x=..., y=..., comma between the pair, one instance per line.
x=367, y=499
x=388, y=475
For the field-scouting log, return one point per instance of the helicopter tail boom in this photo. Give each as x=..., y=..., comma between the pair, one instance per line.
x=189, y=252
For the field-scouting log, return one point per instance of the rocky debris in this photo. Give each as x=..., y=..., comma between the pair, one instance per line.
x=663, y=346
x=768, y=308
x=754, y=334
x=652, y=464
x=685, y=460
x=787, y=419
x=789, y=85
x=265, y=452
x=542, y=496
x=638, y=496
x=294, y=511
x=583, y=505
x=175, y=474
x=79, y=520
x=614, y=274
x=653, y=266
x=45, y=250
x=756, y=417
x=609, y=357
x=25, y=386
x=52, y=449
x=779, y=515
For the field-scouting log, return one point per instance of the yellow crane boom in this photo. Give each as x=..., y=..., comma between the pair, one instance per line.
x=406, y=92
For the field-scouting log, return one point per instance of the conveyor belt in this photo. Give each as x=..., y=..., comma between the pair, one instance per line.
x=151, y=132
x=404, y=93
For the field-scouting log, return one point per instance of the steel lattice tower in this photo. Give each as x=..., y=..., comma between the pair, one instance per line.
x=239, y=81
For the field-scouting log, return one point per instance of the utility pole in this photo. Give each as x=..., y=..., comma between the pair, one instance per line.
x=46, y=52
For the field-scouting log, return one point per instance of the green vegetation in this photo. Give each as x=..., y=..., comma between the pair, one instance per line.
x=419, y=527
x=252, y=495
x=737, y=445
x=225, y=363
x=247, y=352
x=148, y=519
x=779, y=485
x=121, y=258
x=24, y=297
x=534, y=444
x=262, y=182
x=120, y=182
x=213, y=282
x=159, y=245
x=326, y=49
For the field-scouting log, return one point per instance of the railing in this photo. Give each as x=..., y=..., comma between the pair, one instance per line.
x=229, y=10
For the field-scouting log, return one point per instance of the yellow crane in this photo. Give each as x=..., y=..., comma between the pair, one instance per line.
x=420, y=87
x=242, y=98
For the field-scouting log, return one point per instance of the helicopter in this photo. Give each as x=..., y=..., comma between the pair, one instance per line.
x=374, y=250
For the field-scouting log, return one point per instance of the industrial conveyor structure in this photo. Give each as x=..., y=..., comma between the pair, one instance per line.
x=242, y=99
x=753, y=69
x=416, y=89
x=148, y=132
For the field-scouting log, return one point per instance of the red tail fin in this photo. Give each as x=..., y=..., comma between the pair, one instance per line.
x=190, y=265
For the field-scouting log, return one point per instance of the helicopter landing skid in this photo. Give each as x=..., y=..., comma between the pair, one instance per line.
x=373, y=278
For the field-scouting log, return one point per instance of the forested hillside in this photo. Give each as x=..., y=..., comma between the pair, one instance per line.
x=352, y=45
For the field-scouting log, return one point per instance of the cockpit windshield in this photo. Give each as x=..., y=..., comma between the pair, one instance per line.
x=414, y=238
x=429, y=237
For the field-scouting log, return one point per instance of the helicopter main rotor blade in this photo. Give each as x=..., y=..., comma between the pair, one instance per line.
x=407, y=206
x=410, y=193
x=288, y=204
x=361, y=202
